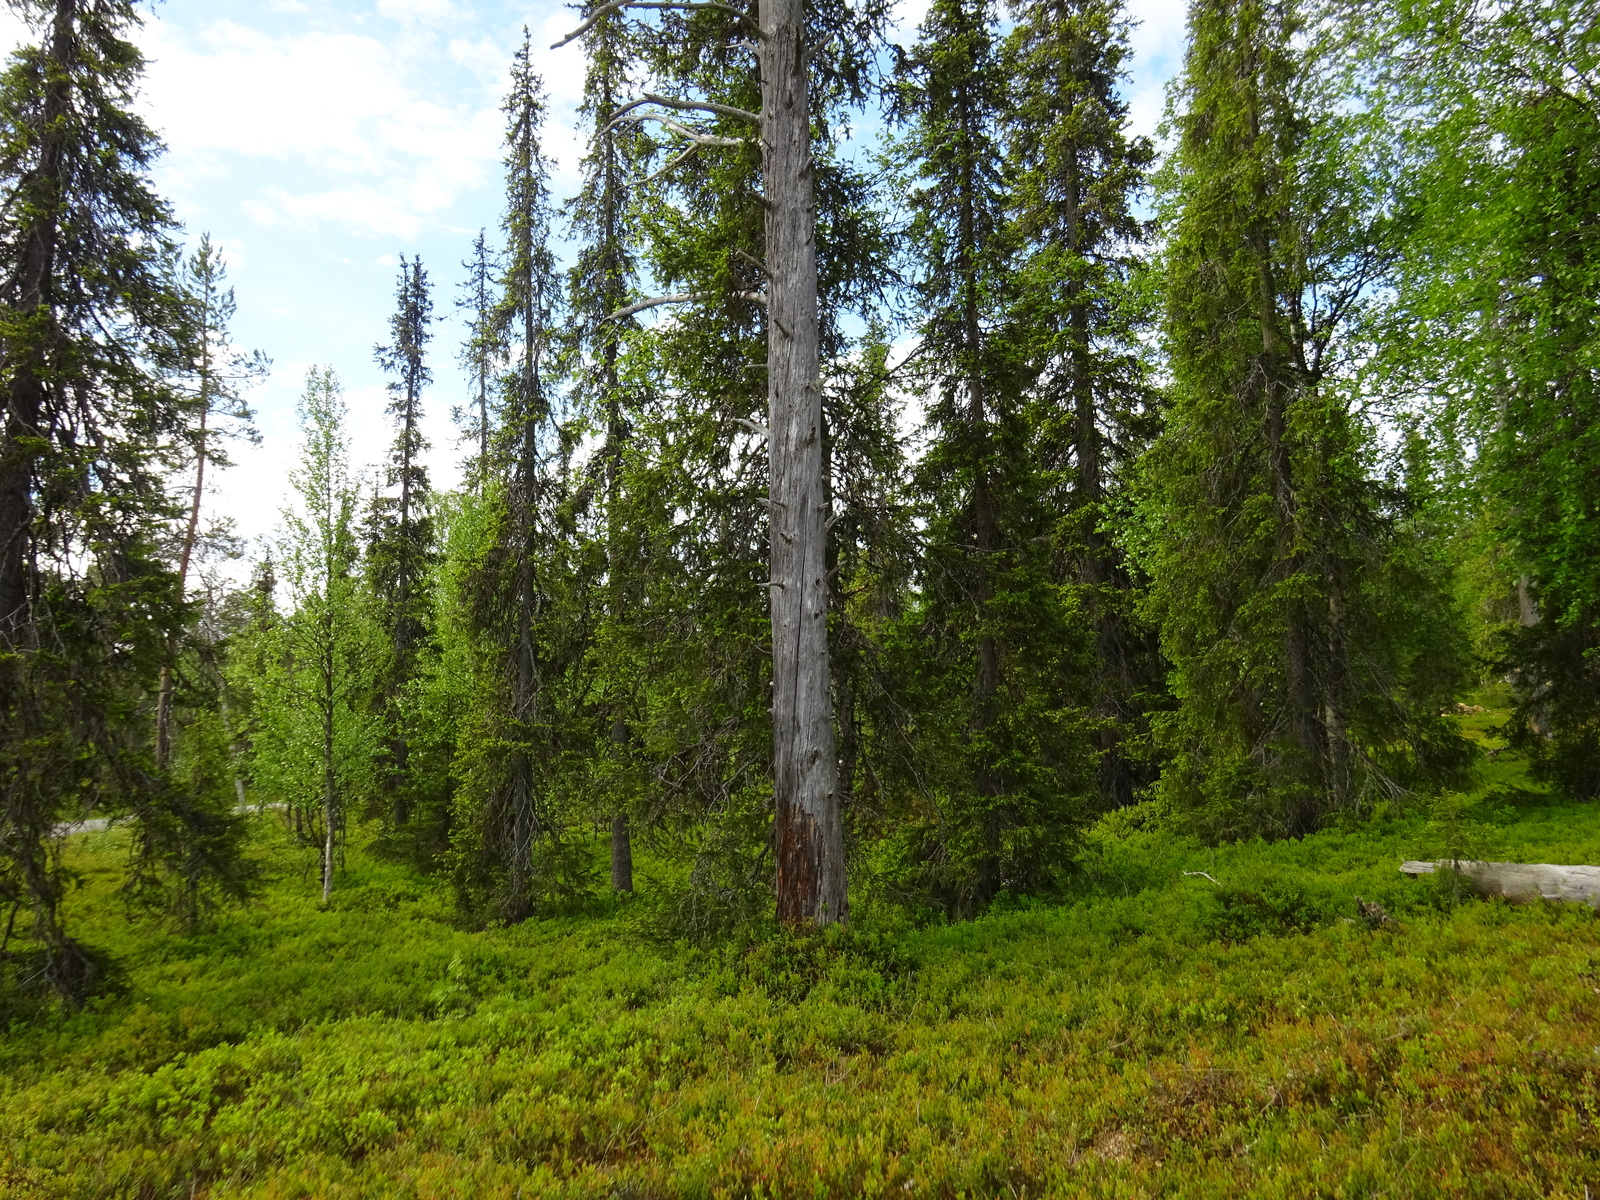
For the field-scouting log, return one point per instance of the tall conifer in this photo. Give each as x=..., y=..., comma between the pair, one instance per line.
x=511, y=850
x=990, y=637
x=93, y=321
x=742, y=233
x=599, y=285
x=1076, y=176
x=403, y=542
x=1291, y=599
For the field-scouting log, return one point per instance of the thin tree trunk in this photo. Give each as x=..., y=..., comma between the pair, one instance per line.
x=809, y=833
x=191, y=533
x=233, y=748
x=616, y=436
x=399, y=748
x=329, y=793
x=986, y=539
x=621, y=854
x=519, y=905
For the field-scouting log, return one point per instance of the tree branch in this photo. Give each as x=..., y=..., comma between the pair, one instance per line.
x=681, y=298
x=615, y=5
x=656, y=302
x=694, y=135
x=711, y=106
x=675, y=160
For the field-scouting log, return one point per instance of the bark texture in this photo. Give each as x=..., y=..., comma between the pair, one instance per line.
x=809, y=834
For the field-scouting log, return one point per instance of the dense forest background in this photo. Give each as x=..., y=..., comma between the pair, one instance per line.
x=1201, y=484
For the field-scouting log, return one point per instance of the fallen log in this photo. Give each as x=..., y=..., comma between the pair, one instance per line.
x=1520, y=881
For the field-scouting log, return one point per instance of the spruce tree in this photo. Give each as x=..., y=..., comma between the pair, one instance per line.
x=1289, y=592
x=93, y=322
x=511, y=851
x=988, y=641
x=403, y=541
x=1076, y=175
x=480, y=354
x=599, y=285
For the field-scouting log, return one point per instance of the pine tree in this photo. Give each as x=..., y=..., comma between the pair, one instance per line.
x=93, y=320
x=1076, y=174
x=1286, y=585
x=403, y=543
x=742, y=241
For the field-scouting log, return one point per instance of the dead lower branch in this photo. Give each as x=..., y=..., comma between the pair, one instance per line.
x=640, y=306
x=710, y=106
x=606, y=9
x=694, y=135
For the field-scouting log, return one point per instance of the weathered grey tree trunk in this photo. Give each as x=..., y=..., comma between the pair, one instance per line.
x=1520, y=881
x=809, y=835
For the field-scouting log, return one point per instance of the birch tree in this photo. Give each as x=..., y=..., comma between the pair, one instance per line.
x=219, y=372
x=316, y=736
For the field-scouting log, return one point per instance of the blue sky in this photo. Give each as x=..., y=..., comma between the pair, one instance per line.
x=318, y=140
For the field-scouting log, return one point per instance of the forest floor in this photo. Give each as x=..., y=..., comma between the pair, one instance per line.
x=1159, y=1035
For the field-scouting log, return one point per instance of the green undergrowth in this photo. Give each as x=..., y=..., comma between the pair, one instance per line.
x=1241, y=1032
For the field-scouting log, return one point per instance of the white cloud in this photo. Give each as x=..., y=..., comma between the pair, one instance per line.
x=383, y=148
x=416, y=10
x=1158, y=40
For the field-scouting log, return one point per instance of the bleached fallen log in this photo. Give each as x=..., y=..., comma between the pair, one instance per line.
x=1521, y=881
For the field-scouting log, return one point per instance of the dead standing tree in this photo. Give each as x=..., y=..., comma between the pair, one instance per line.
x=809, y=833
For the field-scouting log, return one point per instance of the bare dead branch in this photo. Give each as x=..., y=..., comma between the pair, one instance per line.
x=656, y=302
x=681, y=298
x=710, y=106
x=676, y=160
x=606, y=9
x=694, y=135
